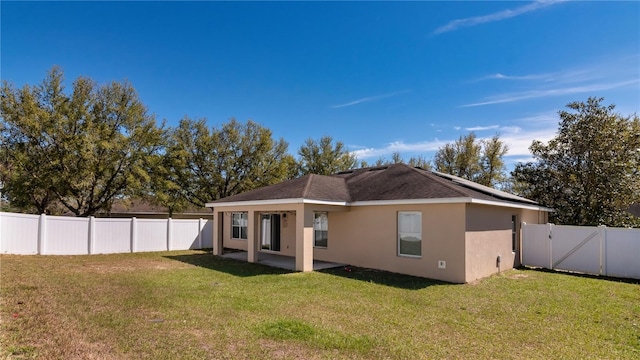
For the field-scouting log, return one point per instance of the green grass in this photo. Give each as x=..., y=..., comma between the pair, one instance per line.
x=191, y=305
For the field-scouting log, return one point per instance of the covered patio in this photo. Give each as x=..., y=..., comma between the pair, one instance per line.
x=279, y=261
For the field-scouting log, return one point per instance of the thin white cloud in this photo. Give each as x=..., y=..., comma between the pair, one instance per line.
x=399, y=146
x=518, y=143
x=541, y=126
x=533, y=94
x=457, y=128
x=510, y=129
x=517, y=134
x=499, y=76
x=371, y=98
x=482, y=128
x=498, y=16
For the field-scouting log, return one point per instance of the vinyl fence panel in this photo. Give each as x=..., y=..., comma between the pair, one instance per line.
x=151, y=235
x=207, y=235
x=66, y=236
x=535, y=244
x=61, y=235
x=623, y=253
x=19, y=233
x=112, y=236
x=184, y=234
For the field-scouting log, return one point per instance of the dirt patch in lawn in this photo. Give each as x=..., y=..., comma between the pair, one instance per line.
x=129, y=265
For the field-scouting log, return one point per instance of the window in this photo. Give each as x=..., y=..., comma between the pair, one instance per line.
x=410, y=233
x=320, y=229
x=239, y=225
x=514, y=233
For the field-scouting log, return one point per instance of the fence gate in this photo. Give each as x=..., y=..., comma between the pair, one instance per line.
x=577, y=248
x=586, y=249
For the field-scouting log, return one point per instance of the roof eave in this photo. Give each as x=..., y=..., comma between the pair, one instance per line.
x=456, y=200
x=512, y=205
x=276, y=202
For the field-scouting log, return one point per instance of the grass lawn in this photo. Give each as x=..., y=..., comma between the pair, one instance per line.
x=191, y=305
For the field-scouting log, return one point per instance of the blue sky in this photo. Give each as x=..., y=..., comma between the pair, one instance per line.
x=378, y=76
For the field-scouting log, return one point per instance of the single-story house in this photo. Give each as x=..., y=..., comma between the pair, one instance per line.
x=396, y=218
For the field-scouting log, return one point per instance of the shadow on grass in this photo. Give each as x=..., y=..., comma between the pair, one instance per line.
x=582, y=275
x=244, y=269
x=386, y=278
x=229, y=266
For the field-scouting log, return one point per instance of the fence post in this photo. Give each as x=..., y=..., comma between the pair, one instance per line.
x=550, y=246
x=169, y=230
x=200, y=234
x=134, y=234
x=42, y=234
x=92, y=234
x=603, y=243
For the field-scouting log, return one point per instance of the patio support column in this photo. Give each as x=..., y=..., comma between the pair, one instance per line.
x=304, y=239
x=252, y=249
x=217, y=232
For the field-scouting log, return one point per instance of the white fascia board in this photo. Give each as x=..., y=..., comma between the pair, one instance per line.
x=276, y=202
x=325, y=202
x=511, y=205
x=459, y=200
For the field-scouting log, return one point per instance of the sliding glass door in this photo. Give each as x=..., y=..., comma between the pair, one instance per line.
x=270, y=232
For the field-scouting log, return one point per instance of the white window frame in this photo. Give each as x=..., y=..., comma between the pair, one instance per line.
x=243, y=223
x=316, y=229
x=417, y=233
x=514, y=233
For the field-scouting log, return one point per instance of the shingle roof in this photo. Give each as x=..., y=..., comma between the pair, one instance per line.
x=316, y=187
x=392, y=182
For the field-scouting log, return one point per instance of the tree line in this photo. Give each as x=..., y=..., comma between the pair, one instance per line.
x=79, y=151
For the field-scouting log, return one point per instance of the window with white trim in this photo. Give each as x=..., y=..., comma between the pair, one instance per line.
x=410, y=233
x=320, y=229
x=239, y=225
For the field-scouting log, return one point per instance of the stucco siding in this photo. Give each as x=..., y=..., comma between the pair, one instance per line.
x=460, y=241
x=367, y=237
x=488, y=236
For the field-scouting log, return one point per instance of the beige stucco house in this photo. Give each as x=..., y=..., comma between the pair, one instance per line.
x=395, y=218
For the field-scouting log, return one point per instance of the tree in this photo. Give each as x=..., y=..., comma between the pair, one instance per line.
x=590, y=172
x=420, y=161
x=492, y=163
x=415, y=161
x=203, y=164
x=80, y=150
x=396, y=158
x=476, y=160
x=323, y=158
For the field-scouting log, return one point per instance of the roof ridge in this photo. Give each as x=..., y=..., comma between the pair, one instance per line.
x=439, y=179
x=347, y=187
x=307, y=187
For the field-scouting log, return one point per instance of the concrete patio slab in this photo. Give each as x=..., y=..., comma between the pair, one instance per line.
x=279, y=261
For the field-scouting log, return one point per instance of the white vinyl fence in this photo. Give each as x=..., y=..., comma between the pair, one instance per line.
x=61, y=235
x=592, y=250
